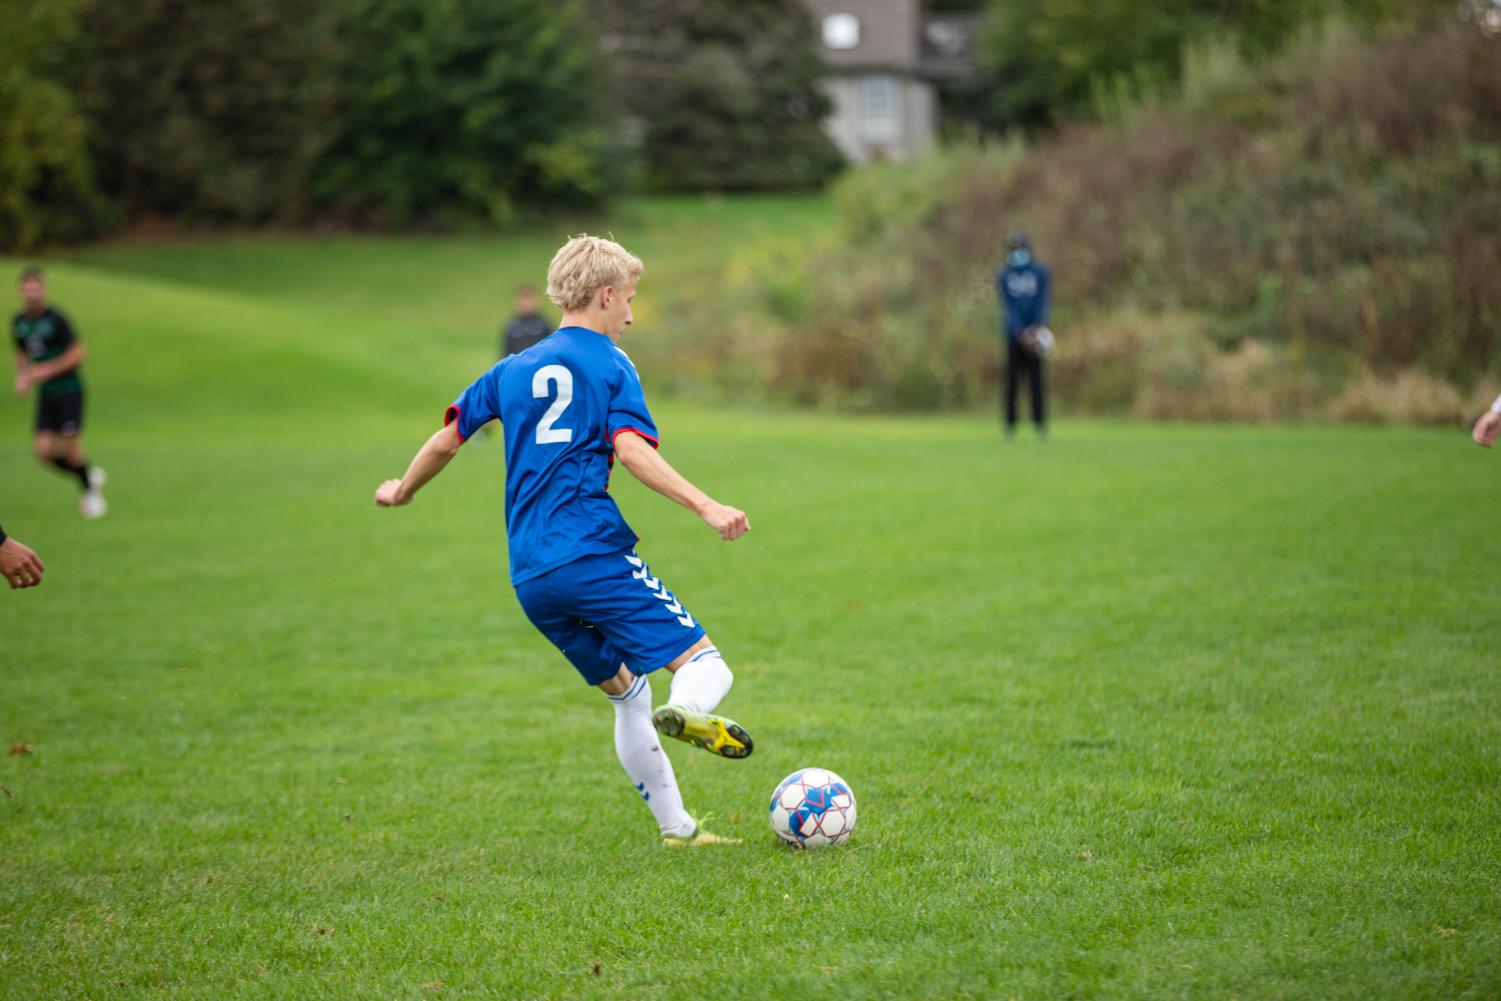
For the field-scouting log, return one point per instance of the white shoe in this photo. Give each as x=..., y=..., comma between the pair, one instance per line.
x=97, y=478
x=92, y=505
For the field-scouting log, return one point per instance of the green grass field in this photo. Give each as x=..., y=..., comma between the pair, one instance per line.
x=1146, y=711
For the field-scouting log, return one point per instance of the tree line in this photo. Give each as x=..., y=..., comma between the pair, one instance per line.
x=433, y=113
x=1041, y=62
x=392, y=113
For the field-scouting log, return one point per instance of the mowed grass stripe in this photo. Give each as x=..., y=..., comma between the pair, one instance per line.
x=1096, y=751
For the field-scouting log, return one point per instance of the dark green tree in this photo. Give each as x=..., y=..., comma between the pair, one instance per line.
x=725, y=93
x=212, y=111
x=465, y=108
x=46, y=186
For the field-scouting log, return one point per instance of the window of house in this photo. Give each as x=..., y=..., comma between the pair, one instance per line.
x=880, y=108
x=841, y=31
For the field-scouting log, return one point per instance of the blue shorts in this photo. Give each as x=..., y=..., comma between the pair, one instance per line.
x=602, y=611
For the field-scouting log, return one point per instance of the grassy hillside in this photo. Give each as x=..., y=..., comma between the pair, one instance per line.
x=1146, y=711
x=1312, y=237
x=424, y=310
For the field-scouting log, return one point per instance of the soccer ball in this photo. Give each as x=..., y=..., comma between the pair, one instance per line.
x=812, y=808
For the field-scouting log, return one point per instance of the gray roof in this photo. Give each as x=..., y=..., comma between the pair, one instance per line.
x=896, y=36
x=888, y=34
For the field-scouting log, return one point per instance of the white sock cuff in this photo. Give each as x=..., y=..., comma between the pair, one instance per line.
x=638, y=688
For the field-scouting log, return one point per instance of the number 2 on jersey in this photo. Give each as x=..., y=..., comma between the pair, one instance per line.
x=563, y=379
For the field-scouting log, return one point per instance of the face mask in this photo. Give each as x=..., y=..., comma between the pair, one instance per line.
x=1019, y=258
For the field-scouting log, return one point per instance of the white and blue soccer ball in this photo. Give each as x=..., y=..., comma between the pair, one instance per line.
x=813, y=808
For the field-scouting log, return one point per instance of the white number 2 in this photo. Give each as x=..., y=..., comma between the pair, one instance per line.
x=546, y=433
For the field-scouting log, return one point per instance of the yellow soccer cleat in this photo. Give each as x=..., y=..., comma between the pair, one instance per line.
x=698, y=839
x=714, y=734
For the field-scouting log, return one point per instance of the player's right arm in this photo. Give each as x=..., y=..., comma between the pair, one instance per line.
x=64, y=363
x=647, y=465
x=18, y=564
x=476, y=406
x=429, y=461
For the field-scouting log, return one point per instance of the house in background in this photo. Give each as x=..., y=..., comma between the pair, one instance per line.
x=885, y=59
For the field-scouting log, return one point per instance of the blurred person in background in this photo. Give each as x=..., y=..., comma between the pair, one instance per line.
x=1024, y=288
x=49, y=356
x=19, y=565
x=525, y=328
x=1488, y=426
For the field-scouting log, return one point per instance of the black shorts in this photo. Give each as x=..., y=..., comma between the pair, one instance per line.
x=61, y=413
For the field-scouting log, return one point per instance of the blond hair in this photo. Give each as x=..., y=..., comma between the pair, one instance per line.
x=586, y=264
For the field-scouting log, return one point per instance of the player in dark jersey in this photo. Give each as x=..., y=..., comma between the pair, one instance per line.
x=569, y=407
x=49, y=357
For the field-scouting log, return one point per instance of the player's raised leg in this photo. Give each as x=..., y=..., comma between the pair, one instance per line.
x=700, y=681
x=646, y=627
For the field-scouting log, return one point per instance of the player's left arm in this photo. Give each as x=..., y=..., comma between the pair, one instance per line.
x=647, y=465
x=429, y=461
x=1044, y=295
x=64, y=363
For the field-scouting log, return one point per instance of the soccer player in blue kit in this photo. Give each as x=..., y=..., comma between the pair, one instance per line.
x=568, y=407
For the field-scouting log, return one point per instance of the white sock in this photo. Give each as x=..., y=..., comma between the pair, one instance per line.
x=702, y=683
x=643, y=759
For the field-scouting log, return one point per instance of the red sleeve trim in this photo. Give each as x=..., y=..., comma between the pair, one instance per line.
x=451, y=416
x=620, y=431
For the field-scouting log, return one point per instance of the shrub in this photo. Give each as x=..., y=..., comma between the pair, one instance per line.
x=1409, y=397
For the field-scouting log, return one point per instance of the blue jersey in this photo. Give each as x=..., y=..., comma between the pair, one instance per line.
x=1024, y=293
x=562, y=402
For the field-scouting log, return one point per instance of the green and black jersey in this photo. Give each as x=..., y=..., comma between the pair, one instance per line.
x=44, y=337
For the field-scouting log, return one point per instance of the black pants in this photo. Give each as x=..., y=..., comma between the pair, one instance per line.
x=1019, y=362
